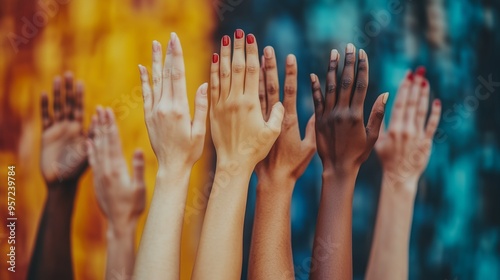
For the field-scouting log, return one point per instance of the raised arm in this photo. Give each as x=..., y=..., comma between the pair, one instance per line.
x=177, y=143
x=63, y=160
x=271, y=248
x=404, y=151
x=242, y=138
x=120, y=197
x=344, y=143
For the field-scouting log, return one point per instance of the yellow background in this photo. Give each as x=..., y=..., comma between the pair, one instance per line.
x=101, y=42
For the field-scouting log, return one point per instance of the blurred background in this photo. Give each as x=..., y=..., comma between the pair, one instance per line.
x=456, y=224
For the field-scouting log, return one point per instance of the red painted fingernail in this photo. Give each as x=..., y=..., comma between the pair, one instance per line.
x=438, y=102
x=410, y=76
x=421, y=71
x=424, y=83
x=238, y=33
x=250, y=39
x=225, y=40
x=215, y=58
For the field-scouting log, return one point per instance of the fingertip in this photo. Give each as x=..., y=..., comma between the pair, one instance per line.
x=313, y=77
x=291, y=60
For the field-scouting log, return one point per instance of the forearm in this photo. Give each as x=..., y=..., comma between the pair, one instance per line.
x=220, y=250
x=389, y=253
x=121, y=255
x=332, y=249
x=159, y=251
x=51, y=257
x=271, y=248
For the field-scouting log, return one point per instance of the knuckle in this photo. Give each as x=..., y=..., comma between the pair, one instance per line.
x=362, y=65
x=379, y=114
x=252, y=69
x=272, y=88
x=238, y=68
x=225, y=73
x=177, y=74
x=349, y=60
x=331, y=88
x=289, y=89
x=156, y=81
x=346, y=82
x=361, y=85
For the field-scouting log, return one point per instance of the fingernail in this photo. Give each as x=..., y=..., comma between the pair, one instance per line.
x=215, y=58
x=437, y=102
x=424, y=83
x=313, y=78
x=238, y=34
x=268, y=52
x=225, y=40
x=334, y=55
x=350, y=48
x=156, y=45
x=173, y=38
x=410, y=77
x=250, y=39
x=140, y=68
x=290, y=59
x=384, y=99
x=204, y=89
x=421, y=71
x=362, y=55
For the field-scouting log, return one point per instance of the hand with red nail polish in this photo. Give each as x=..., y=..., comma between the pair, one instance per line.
x=404, y=151
x=242, y=138
x=177, y=141
x=271, y=248
x=121, y=198
x=344, y=143
x=63, y=160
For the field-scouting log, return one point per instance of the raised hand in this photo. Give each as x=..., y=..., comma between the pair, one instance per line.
x=121, y=197
x=290, y=155
x=242, y=138
x=178, y=143
x=404, y=150
x=63, y=160
x=63, y=156
x=344, y=143
x=342, y=138
x=271, y=248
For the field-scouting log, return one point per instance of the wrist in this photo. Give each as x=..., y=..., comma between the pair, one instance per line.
x=403, y=188
x=121, y=230
x=275, y=184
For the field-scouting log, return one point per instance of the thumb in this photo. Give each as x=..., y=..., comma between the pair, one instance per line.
x=276, y=117
x=200, y=111
x=311, y=131
x=375, y=120
x=138, y=168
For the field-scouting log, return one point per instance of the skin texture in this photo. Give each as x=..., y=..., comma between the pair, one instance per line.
x=404, y=151
x=63, y=160
x=271, y=248
x=343, y=143
x=120, y=197
x=242, y=138
x=178, y=143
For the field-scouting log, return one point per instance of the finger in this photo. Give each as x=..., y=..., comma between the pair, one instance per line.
x=310, y=136
x=91, y=153
x=317, y=97
x=397, y=115
x=362, y=78
x=272, y=81
x=412, y=100
x=375, y=120
x=114, y=143
x=157, y=72
x=147, y=94
x=434, y=118
x=92, y=127
x=106, y=133
x=238, y=64
x=78, y=107
x=58, y=107
x=290, y=92
x=214, y=80
x=46, y=119
x=276, y=117
x=138, y=168
x=225, y=67
x=200, y=112
x=331, y=81
x=422, y=107
x=347, y=78
x=178, y=74
x=167, y=90
x=262, y=90
x=70, y=98
x=252, y=64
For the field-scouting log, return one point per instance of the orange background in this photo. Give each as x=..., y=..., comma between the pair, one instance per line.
x=101, y=42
